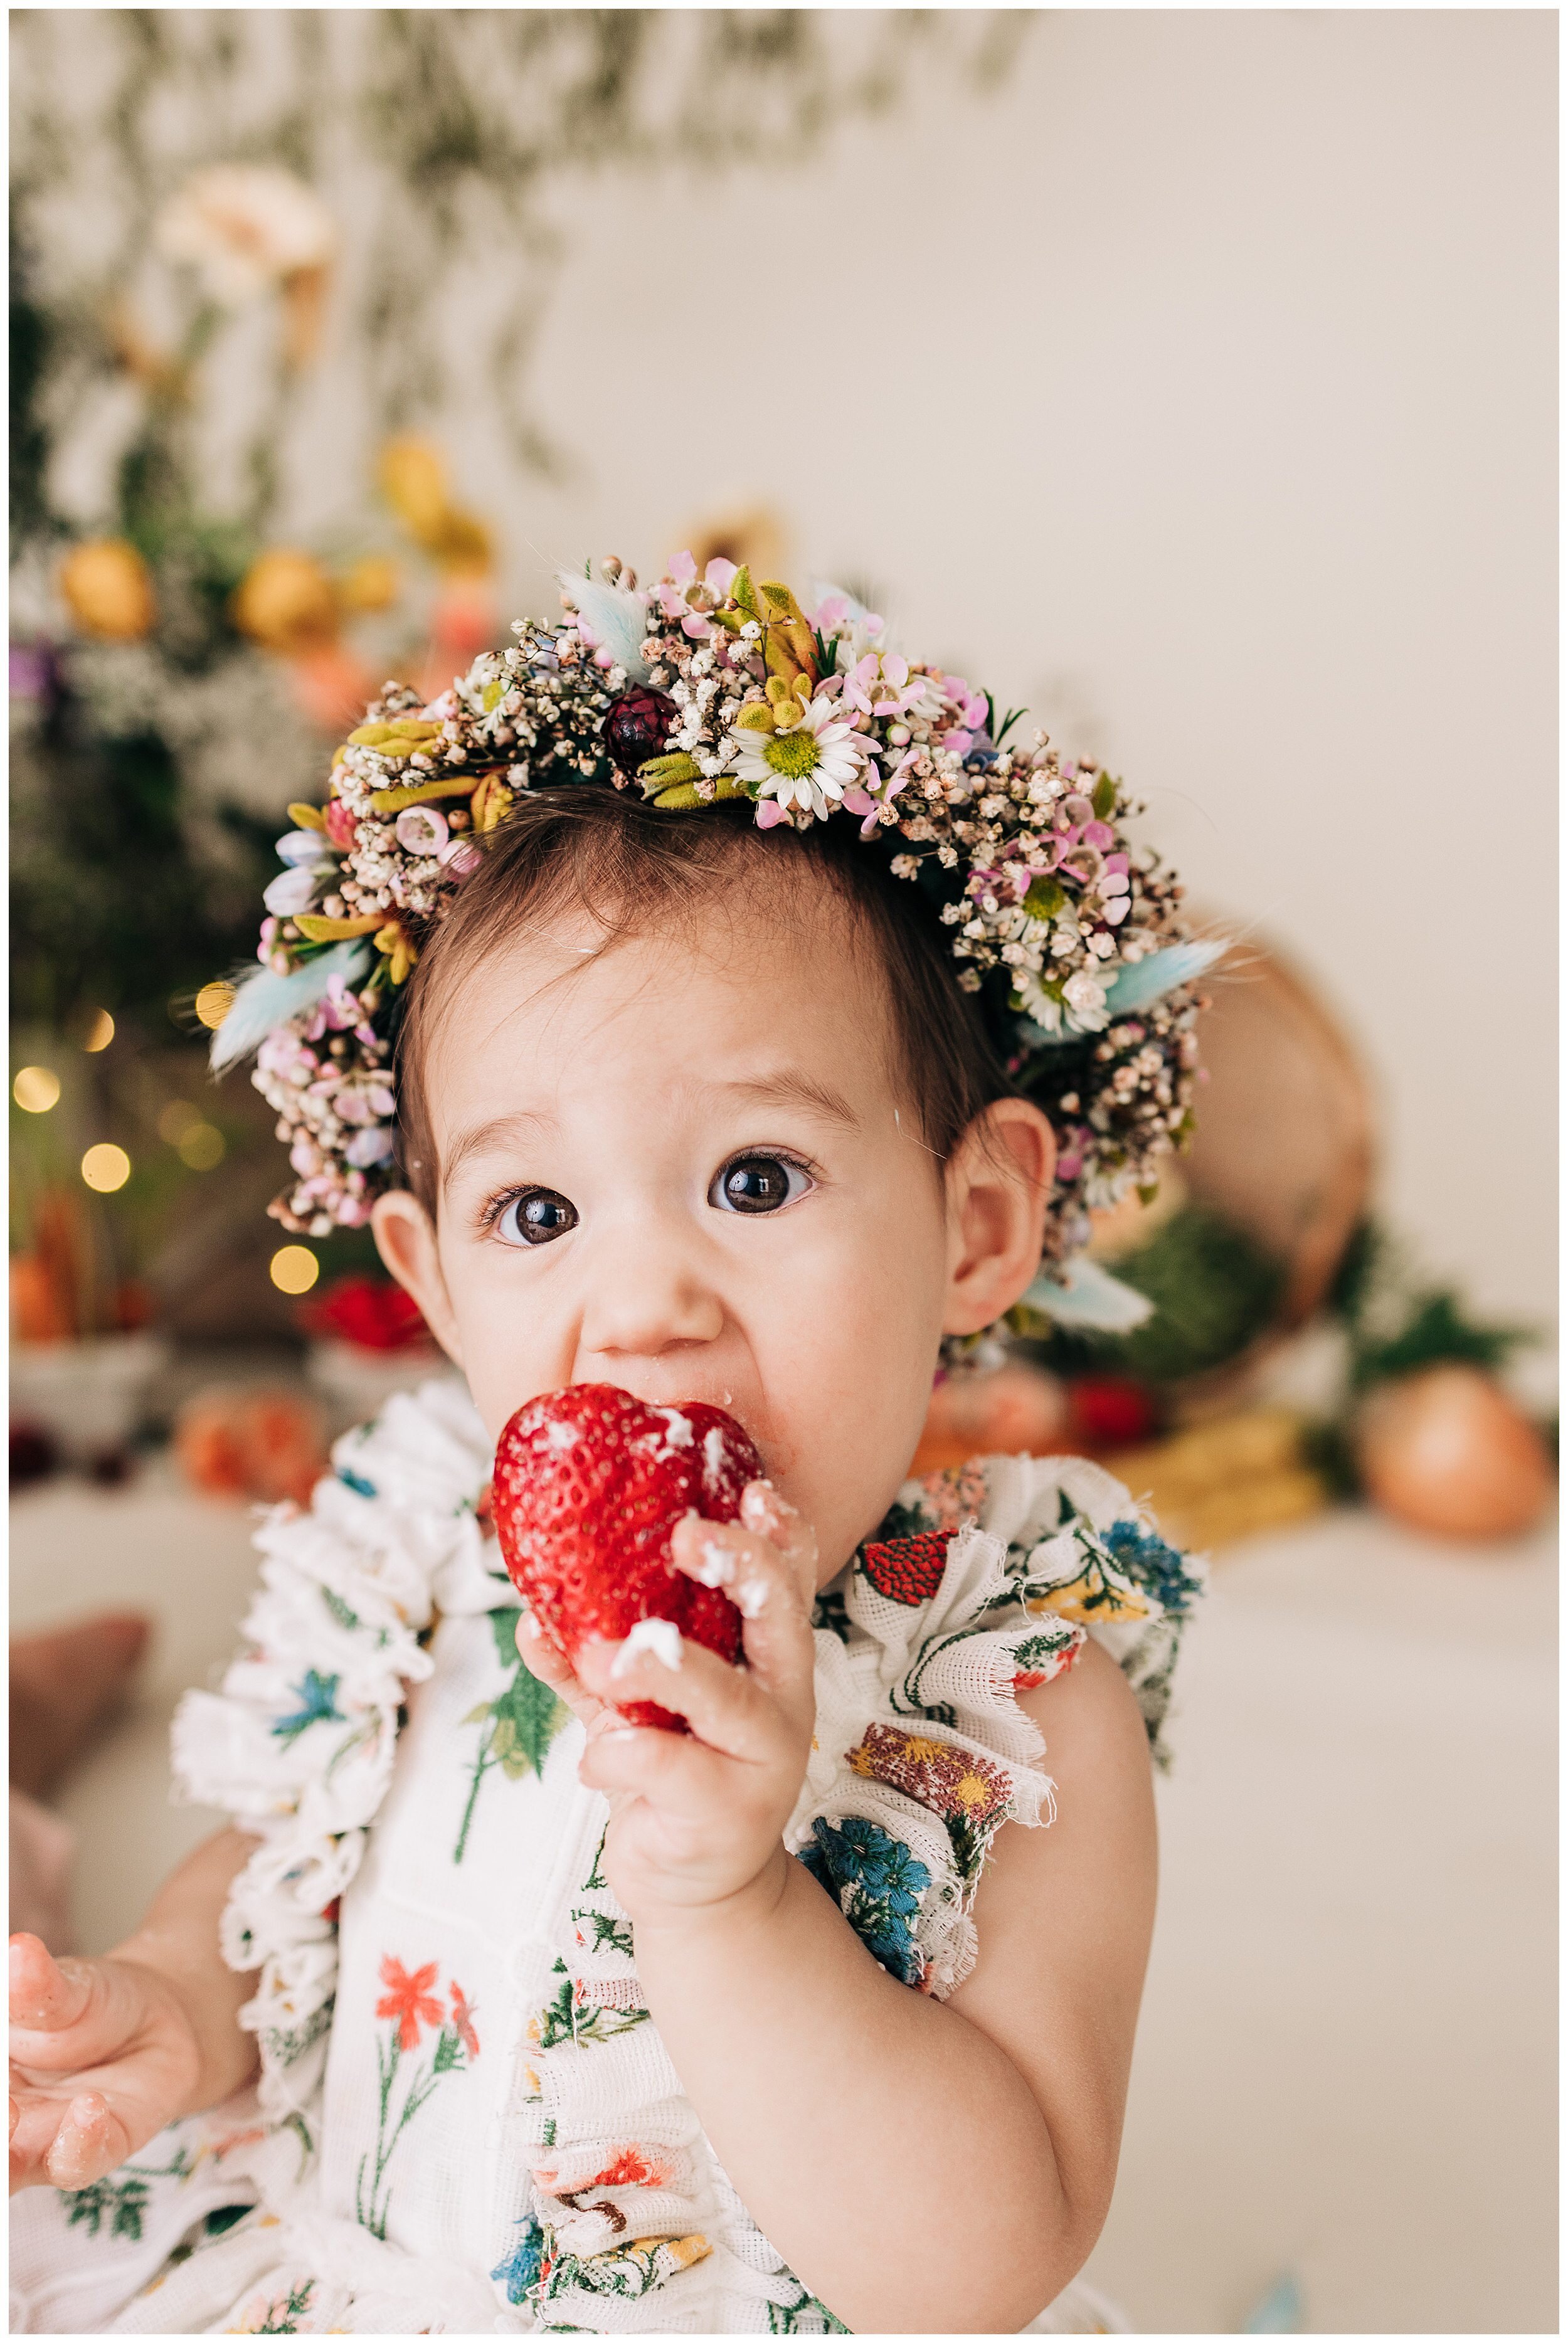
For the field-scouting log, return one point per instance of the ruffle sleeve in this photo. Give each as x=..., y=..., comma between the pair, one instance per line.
x=297, y=1747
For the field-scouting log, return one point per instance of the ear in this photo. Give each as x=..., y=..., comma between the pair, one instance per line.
x=998, y=1184
x=405, y=1241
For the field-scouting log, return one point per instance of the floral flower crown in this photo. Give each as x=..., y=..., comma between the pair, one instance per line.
x=702, y=689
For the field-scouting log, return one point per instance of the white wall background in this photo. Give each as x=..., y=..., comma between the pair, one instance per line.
x=1198, y=388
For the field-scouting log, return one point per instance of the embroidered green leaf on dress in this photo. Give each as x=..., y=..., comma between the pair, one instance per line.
x=517, y=1727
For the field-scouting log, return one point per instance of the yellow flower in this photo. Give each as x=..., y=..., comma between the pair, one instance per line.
x=971, y=1790
x=492, y=802
x=109, y=589
x=286, y=602
x=404, y=736
x=1091, y=1599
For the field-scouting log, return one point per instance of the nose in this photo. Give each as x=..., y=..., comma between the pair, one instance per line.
x=649, y=1295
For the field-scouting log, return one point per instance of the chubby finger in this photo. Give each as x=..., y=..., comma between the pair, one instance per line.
x=45, y=1997
x=727, y=1708
x=771, y=1585
x=539, y=1656
x=66, y=2143
x=90, y=2140
x=673, y=1772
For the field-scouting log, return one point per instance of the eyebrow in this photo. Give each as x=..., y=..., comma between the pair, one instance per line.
x=523, y=1122
x=788, y=1087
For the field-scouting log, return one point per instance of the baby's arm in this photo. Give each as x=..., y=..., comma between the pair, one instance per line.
x=923, y=2166
x=105, y=2053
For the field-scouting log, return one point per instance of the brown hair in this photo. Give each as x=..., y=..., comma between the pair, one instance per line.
x=628, y=865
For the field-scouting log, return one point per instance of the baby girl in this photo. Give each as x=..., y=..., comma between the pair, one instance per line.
x=494, y=2013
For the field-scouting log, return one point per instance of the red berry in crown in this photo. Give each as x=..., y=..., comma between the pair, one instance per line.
x=589, y=1486
x=639, y=724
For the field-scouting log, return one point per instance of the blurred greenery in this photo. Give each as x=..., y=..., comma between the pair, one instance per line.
x=1214, y=1291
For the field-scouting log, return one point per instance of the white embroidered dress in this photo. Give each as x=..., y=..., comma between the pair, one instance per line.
x=465, y=2120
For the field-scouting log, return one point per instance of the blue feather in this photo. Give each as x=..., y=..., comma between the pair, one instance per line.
x=1138, y=987
x=617, y=618
x=1147, y=980
x=266, y=1000
x=1087, y=1295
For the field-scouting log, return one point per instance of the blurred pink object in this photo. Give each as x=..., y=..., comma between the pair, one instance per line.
x=331, y=685
x=1016, y=1409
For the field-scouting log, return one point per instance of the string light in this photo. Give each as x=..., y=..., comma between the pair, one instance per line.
x=106, y=1166
x=212, y=1004
x=294, y=1269
x=36, y=1089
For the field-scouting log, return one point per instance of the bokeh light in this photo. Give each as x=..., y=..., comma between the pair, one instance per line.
x=100, y=1033
x=201, y=1146
x=212, y=1004
x=106, y=1166
x=178, y=1117
x=294, y=1269
x=36, y=1089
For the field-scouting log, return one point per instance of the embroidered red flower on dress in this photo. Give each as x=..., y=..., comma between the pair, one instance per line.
x=409, y=2000
x=463, y=2020
x=631, y=2169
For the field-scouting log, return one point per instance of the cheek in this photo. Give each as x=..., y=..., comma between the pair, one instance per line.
x=851, y=1339
x=504, y=1340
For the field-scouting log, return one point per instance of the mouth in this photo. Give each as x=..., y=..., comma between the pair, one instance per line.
x=750, y=1413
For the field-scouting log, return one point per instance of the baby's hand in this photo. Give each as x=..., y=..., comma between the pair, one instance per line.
x=103, y=2054
x=698, y=1818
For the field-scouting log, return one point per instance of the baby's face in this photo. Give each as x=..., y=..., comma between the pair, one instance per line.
x=685, y=1166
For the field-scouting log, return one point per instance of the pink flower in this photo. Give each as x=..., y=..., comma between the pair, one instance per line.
x=1100, y=834
x=340, y=823
x=880, y=684
x=683, y=595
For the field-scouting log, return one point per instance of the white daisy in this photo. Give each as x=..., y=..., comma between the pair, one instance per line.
x=809, y=764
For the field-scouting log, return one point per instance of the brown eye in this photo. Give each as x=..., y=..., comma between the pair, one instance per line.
x=758, y=1184
x=537, y=1218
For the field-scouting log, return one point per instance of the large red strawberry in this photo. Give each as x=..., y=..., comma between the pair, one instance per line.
x=589, y=1486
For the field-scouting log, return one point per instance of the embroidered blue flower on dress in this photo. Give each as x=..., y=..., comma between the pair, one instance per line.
x=1157, y=1567
x=878, y=1883
x=521, y=2268
x=317, y=1698
x=356, y=1481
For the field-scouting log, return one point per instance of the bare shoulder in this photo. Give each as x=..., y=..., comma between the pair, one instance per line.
x=1064, y=1914
x=1096, y=1859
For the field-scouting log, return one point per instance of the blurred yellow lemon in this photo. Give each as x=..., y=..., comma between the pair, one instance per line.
x=286, y=602
x=371, y=583
x=108, y=589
